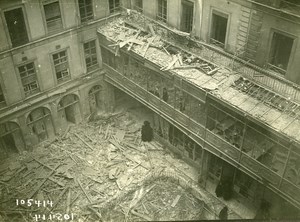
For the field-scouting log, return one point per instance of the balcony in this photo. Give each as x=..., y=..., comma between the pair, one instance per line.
x=143, y=78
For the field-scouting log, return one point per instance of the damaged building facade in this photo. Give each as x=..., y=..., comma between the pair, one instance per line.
x=221, y=78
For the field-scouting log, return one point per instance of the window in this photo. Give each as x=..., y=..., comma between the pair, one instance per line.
x=61, y=66
x=114, y=6
x=281, y=48
x=90, y=55
x=219, y=29
x=108, y=57
x=53, y=16
x=16, y=27
x=162, y=10
x=187, y=16
x=86, y=10
x=29, y=80
x=138, y=5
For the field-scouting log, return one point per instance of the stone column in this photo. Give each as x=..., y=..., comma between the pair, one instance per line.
x=203, y=172
x=108, y=97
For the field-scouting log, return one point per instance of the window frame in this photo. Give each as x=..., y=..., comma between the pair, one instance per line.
x=86, y=18
x=50, y=31
x=64, y=78
x=137, y=7
x=34, y=74
x=25, y=23
x=93, y=66
x=114, y=9
x=182, y=22
x=278, y=70
x=160, y=11
x=224, y=15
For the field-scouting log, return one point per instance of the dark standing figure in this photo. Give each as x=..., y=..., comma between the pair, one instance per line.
x=219, y=189
x=165, y=96
x=147, y=132
x=223, y=215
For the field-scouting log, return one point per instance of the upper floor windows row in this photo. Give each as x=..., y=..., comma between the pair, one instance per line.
x=187, y=13
x=17, y=28
x=28, y=74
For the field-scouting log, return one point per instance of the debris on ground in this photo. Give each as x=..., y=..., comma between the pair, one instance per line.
x=90, y=168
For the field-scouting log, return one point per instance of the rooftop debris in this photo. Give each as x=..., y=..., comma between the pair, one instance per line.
x=88, y=170
x=172, y=53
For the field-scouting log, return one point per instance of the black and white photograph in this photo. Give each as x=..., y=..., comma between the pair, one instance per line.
x=149, y=110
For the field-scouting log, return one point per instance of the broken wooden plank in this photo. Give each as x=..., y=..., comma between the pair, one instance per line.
x=148, y=156
x=95, y=212
x=129, y=145
x=132, y=41
x=151, y=29
x=92, y=140
x=88, y=145
x=148, y=45
x=166, y=51
x=41, y=183
x=68, y=201
x=106, y=133
x=83, y=190
x=66, y=131
x=97, y=181
x=180, y=59
x=56, y=181
x=135, y=161
x=213, y=71
x=100, y=129
x=145, y=217
x=50, y=168
x=118, y=185
x=175, y=200
x=114, y=142
x=172, y=63
x=57, y=200
x=145, y=209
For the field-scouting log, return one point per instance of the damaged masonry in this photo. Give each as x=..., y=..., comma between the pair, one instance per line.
x=146, y=116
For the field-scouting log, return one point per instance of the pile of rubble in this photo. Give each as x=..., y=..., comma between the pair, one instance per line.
x=100, y=171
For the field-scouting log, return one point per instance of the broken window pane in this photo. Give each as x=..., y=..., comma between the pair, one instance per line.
x=61, y=66
x=53, y=16
x=28, y=78
x=90, y=55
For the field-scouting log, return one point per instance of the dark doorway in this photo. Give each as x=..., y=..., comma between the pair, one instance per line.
x=95, y=100
x=40, y=123
x=70, y=115
x=187, y=16
x=69, y=109
x=281, y=48
x=219, y=29
x=10, y=143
